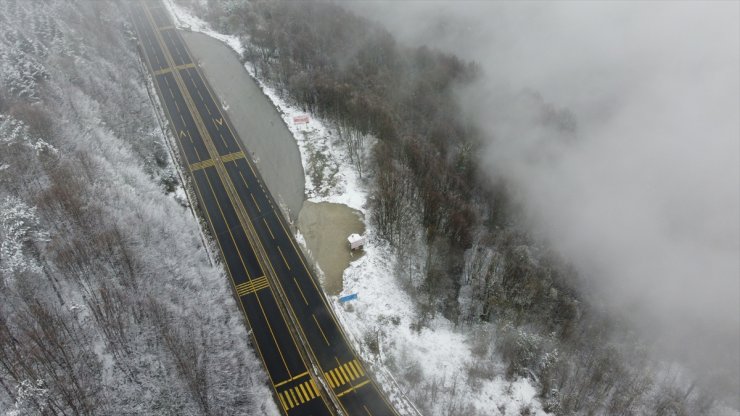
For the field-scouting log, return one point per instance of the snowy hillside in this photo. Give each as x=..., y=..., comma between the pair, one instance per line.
x=108, y=301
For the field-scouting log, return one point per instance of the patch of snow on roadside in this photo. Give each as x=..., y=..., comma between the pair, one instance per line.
x=186, y=21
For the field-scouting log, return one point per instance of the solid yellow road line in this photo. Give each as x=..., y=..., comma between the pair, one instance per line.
x=300, y=290
x=367, y=410
x=283, y=256
x=353, y=388
x=238, y=250
x=320, y=330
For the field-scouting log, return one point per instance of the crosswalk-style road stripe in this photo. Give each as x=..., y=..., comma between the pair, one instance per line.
x=296, y=396
x=252, y=286
x=202, y=164
x=210, y=162
x=344, y=374
x=169, y=69
x=232, y=156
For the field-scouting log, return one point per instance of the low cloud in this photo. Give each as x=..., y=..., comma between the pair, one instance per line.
x=618, y=125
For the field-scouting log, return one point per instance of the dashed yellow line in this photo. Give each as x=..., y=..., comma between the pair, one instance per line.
x=268, y=228
x=255, y=203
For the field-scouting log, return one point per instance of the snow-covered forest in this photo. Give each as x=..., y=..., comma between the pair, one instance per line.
x=109, y=303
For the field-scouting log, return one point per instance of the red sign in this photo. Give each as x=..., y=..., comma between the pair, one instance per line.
x=300, y=119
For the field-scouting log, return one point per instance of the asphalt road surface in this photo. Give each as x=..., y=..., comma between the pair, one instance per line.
x=291, y=321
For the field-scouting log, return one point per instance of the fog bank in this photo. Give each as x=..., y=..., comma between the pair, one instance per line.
x=643, y=195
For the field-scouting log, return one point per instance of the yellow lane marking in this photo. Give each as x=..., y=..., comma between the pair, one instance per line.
x=320, y=330
x=353, y=388
x=300, y=396
x=220, y=209
x=352, y=371
x=292, y=394
x=202, y=164
x=282, y=401
x=268, y=228
x=287, y=397
x=232, y=156
x=255, y=203
x=170, y=69
x=283, y=256
x=291, y=379
x=358, y=367
x=300, y=290
x=306, y=391
x=339, y=377
x=347, y=377
x=244, y=266
x=210, y=162
x=243, y=180
x=297, y=395
x=252, y=286
x=366, y=410
x=332, y=382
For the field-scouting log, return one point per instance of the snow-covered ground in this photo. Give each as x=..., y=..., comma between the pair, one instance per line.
x=435, y=359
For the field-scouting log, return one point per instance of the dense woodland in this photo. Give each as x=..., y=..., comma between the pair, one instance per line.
x=479, y=264
x=109, y=304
